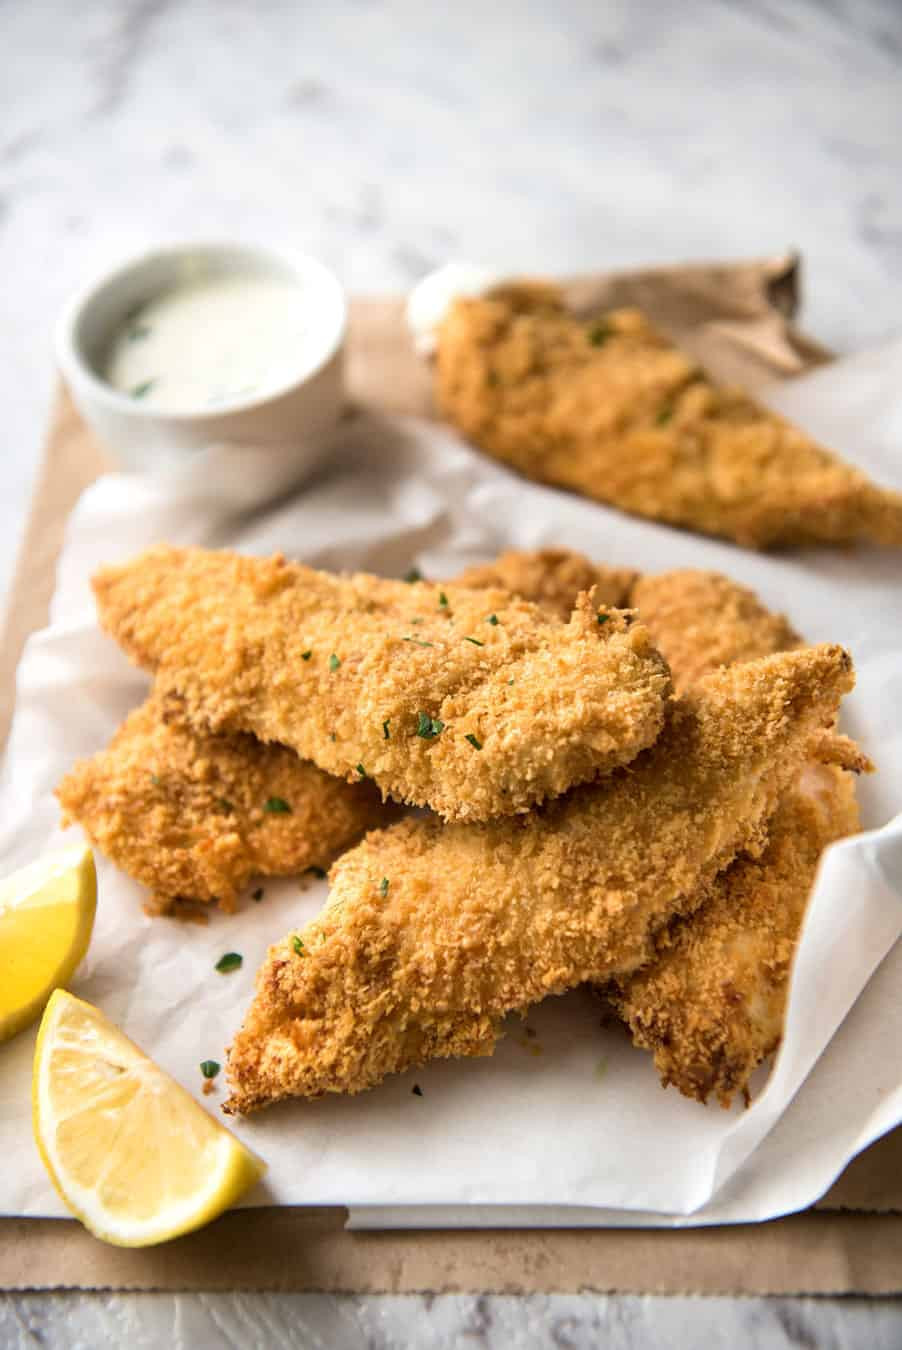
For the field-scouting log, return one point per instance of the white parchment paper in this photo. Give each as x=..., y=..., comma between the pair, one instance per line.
x=568, y=1126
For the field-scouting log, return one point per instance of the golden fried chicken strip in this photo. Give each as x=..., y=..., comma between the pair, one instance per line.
x=711, y=1003
x=194, y=816
x=611, y=409
x=432, y=933
x=702, y=620
x=193, y=827
x=552, y=578
x=475, y=703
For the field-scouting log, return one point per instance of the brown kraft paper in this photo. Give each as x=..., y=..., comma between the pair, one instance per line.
x=737, y=319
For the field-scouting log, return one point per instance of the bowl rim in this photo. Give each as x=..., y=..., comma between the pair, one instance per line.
x=77, y=371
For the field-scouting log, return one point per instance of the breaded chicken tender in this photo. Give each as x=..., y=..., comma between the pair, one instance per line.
x=710, y=1005
x=612, y=409
x=552, y=578
x=472, y=702
x=433, y=933
x=702, y=620
x=194, y=817
x=710, y=1002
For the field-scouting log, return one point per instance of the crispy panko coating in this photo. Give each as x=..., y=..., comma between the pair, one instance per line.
x=194, y=816
x=702, y=620
x=432, y=933
x=552, y=578
x=611, y=409
x=475, y=703
x=710, y=1005
x=710, y=1002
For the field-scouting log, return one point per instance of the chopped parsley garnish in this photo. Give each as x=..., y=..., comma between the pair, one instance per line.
x=277, y=806
x=305, y=656
x=386, y=734
x=209, y=1068
x=298, y=945
x=599, y=334
x=229, y=961
x=475, y=641
x=476, y=744
x=139, y=390
x=510, y=681
x=416, y=642
x=334, y=662
x=383, y=886
x=257, y=894
x=413, y=575
x=442, y=599
x=493, y=620
x=416, y=621
x=154, y=778
x=362, y=771
x=428, y=727
x=417, y=1090
x=664, y=415
x=317, y=872
x=602, y=618
x=225, y=805
x=492, y=378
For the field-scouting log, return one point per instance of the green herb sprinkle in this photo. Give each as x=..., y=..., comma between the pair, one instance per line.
x=599, y=334
x=428, y=727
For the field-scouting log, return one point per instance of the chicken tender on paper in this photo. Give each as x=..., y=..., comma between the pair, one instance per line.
x=475, y=703
x=710, y=1002
x=710, y=1005
x=552, y=579
x=191, y=827
x=194, y=817
x=613, y=410
x=432, y=933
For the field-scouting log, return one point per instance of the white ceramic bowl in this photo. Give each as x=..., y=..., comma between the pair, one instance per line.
x=298, y=414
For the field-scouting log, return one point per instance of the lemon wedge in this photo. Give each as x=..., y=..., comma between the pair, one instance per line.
x=129, y=1150
x=46, y=917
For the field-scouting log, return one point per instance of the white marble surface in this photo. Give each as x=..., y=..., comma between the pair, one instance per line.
x=386, y=137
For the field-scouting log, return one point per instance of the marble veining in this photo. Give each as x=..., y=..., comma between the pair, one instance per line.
x=387, y=136
x=445, y=1322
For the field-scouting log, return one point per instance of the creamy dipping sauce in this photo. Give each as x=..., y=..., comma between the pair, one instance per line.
x=216, y=339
